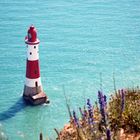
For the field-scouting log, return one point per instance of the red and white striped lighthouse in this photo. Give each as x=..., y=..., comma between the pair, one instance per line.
x=33, y=91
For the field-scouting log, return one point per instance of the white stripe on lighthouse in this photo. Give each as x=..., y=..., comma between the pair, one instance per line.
x=33, y=82
x=32, y=52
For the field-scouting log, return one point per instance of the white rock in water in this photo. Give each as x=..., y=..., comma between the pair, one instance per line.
x=3, y=136
x=21, y=134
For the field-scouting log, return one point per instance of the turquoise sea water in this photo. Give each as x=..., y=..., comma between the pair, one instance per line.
x=79, y=40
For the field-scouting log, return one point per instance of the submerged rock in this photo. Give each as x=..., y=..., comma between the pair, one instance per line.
x=3, y=136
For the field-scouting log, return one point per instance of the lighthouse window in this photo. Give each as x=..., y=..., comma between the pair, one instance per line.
x=34, y=47
x=30, y=53
x=36, y=84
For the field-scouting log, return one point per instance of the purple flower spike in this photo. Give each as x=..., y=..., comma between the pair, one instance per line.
x=122, y=100
x=102, y=102
x=85, y=114
x=108, y=134
x=89, y=104
x=90, y=112
x=105, y=101
x=75, y=119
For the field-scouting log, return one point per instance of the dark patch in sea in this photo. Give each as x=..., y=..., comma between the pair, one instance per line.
x=11, y=112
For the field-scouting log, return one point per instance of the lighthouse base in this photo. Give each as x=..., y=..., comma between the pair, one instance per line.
x=37, y=99
x=35, y=95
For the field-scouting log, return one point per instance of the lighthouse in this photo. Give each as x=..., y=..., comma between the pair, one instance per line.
x=33, y=90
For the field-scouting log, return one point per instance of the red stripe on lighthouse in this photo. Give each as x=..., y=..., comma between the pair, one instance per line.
x=32, y=69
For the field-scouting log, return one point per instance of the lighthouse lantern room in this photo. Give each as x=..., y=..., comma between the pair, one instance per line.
x=33, y=91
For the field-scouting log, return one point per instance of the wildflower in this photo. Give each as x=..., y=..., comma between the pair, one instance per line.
x=102, y=102
x=85, y=114
x=105, y=100
x=122, y=100
x=108, y=135
x=90, y=112
x=76, y=122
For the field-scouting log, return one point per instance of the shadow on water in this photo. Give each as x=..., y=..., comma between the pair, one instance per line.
x=11, y=112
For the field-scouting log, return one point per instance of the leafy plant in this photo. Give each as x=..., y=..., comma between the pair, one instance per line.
x=124, y=110
x=104, y=121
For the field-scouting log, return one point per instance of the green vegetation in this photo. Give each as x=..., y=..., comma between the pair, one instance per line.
x=117, y=119
x=106, y=120
x=129, y=117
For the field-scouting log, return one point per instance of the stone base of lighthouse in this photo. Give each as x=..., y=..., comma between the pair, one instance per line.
x=34, y=95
